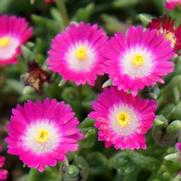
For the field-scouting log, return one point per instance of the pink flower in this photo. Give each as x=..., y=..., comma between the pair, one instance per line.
x=3, y=172
x=138, y=59
x=14, y=32
x=165, y=25
x=178, y=145
x=122, y=120
x=75, y=53
x=2, y=161
x=171, y=4
x=42, y=133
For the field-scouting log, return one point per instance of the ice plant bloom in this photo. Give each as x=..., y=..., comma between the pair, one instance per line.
x=171, y=4
x=75, y=53
x=122, y=120
x=42, y=133
x=178, y=145
x=138, y=59
x=3, y=172
x=14, y=32
x=165, y=25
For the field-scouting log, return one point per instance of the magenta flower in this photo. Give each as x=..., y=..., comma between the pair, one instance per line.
x=171, y=4
x=75, y=53
x=42, y=133
x=13, y=33
x=122, y=120
x=3, y=172
x=138, y=59
x=165, y=25
x=178, y=145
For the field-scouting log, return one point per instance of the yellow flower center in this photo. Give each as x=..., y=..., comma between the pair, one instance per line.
x=81, y=53
x=42, y=136
x=123, y=119
x=171, y=37
x=138, y=60
x=4, y=42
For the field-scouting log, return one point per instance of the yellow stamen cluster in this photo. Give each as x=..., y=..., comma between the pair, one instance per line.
x=4, y=42
x=171, y=37
x=42, y=136
x=138, y=60
x=123, y=119
x=81, y=53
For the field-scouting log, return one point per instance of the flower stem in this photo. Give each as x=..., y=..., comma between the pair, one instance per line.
x=66, y=162
x=63, y=11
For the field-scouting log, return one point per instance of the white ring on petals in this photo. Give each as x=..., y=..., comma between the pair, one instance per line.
x=134, y=119
x=29, y=137
x=9, y=51
x=136, y=72
x=74, y=63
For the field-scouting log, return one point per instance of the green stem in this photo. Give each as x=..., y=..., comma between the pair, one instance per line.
x=63, y=11
x=66, y=162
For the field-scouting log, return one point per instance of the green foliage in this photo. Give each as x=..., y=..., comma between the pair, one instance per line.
x=84, y=14
x=125, y=3
x=90, y=134
x=48, y=175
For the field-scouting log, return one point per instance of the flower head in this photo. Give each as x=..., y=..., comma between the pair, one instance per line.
x=122, y=120
x=42, y=133
x=13, y=33
x=75, y=53
x=171, y=4
x=165, y=25
x=138, y=59
x=178, y=145
x=3, y=172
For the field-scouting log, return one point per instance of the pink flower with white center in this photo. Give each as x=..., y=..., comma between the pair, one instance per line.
x=75, y=54
x=138, y=59
x=14, y=32
x=42, y=133
x=3, y=172
x=122, y=120
x=171, y=4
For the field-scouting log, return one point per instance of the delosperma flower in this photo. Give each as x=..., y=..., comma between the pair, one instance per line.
x=178, y=145
x=14, y=32
x=122, y=120
x=3, y=172
x=171, y=4
x=75, y=54
x=42, y=133
x=165, y=25
x=138, y=59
